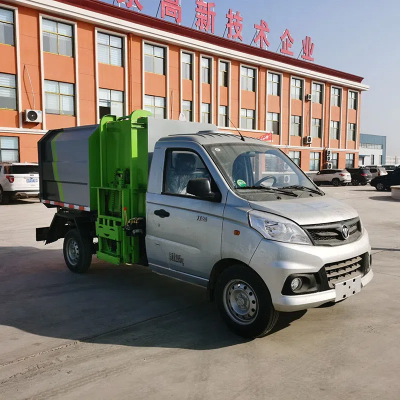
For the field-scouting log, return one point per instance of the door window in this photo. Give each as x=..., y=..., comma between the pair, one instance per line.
x=181, y=166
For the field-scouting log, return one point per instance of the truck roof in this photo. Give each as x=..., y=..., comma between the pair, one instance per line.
x=212, y=137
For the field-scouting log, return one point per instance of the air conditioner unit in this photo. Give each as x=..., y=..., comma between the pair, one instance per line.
x=35, y=116
x=328, y=158
x=329, y=165
x=329, y=153
x=308, y=97
x=307, y=139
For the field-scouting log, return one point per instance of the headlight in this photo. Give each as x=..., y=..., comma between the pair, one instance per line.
x=277, y=228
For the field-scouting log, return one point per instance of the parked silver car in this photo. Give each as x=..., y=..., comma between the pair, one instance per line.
x=333, y=177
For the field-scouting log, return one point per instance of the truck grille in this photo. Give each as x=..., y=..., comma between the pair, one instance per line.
x=341, y=271
x=332, y=234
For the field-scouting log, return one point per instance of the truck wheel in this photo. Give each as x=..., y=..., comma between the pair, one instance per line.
x=244, y=302
x=380, y=187
x=77, y=251
x=4, y=198
x=335, y=182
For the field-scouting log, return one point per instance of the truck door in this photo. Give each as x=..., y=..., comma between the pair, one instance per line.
x=183, y=232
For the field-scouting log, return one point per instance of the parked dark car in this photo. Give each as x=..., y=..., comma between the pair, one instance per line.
x=360, y=176
x=386, y=181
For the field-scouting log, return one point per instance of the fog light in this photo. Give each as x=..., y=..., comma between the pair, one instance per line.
x=296, y=284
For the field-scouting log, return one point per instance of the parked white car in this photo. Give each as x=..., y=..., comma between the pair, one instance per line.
x=18, y=180
x=335, y=177
x=377, y=171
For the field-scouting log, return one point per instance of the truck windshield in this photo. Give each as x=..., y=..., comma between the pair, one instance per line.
x=257, y=166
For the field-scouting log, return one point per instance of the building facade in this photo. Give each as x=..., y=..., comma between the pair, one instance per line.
x=75, y=61
x=372, y=150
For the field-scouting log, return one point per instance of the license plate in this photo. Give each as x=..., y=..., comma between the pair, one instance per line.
x=31, y=180
x=348, y=288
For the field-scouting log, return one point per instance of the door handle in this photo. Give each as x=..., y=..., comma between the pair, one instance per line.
x=162, y=213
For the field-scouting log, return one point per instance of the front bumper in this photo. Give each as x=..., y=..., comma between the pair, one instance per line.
x=275, y=261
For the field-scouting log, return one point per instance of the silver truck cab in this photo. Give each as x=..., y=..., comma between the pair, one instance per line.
x=241, y=219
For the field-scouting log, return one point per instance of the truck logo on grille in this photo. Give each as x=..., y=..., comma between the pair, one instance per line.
x=345, y=232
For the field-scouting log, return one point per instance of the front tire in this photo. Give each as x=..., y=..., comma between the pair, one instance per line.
x=77, y=251
x=380, y=187
x=244, y=302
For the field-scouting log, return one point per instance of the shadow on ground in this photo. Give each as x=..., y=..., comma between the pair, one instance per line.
x=126, y=305
x=384, y=198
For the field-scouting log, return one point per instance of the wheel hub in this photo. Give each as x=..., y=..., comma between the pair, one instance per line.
x=240, y=302
x=73, y=252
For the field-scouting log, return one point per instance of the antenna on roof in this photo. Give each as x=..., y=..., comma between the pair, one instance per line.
x=241, y=136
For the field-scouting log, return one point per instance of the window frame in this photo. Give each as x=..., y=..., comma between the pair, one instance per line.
x=295, y=158
x=314, y=92
x=319, y=133
x=351, y=136
x=123, y=44
x=293, y=93
x=192, y=58
x=353, y=102
x=208, y=113
x=167, y=153
x=278, y=121
x=312, y=153
x=335, y=160
x=292, y=122
x=247, y=77
x=350, y=158
x=209, y=68
x=112, y=90
x=224, y=74
x=13, y=10
x=338, y=130
x=186, y=110
x=226, y=116
x=58, y=21
x=18, y=149
x=151, y=106
x=272, y=83
x=60, y=96
x=337, y=97
x=247, y=118
x=12, y=88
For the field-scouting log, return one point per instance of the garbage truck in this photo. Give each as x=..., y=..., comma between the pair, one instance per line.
x=230, y=213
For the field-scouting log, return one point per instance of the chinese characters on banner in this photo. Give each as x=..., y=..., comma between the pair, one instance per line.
x=171, y=8
x=205, y=21
x=205, y=16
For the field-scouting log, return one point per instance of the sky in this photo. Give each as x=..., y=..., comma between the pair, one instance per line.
x=355, y=36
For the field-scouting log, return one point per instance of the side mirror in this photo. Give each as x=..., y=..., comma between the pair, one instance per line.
x=202, y=188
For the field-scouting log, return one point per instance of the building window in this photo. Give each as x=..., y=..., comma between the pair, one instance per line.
x=8, y=92
x=223, y=116
x=372, y=159
x=206, y=70
x=274, y=84
x=353, y=98
x=335, y=160
x=187, y=66
x=295, y=123
x=371, y=146
x=6, y=26
x=109, y=49
x=206, y=113
x=335, y=97
x=317, y=93
x=111, y=102
x=349, y=160
x=248, y=76
x=297, y=89
x=247, y=119
x=187, y=109
x=57, y=38
x=9, y=149
x=154, y=59
x=223, y=73
x=334, y=130
x=156, y=105
x=316, y=128
x=273, y=123
x=295, y=156
x=315, y=161
x=352, y=132
x=59, y=98
x=380, y=160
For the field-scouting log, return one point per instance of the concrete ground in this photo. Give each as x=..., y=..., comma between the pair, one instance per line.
x=126, y=333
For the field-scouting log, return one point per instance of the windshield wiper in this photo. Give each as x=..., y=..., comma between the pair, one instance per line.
x=271, y=189
x=316, y=191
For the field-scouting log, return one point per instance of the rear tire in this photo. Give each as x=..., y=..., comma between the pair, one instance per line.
x=335, y=182
x=4, y=197
x=77, y=251
x=244, y=302
x=380, y=187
